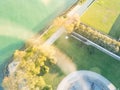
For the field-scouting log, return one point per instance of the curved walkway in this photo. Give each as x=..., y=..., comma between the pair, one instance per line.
x=85, y=80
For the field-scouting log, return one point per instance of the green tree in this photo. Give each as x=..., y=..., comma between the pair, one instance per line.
x=82, y=1
x=48, y=87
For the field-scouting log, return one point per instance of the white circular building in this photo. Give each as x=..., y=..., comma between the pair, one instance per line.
x=85, y=80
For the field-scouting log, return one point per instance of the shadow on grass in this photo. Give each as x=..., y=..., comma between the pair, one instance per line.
x=55, y=69
x=115, y=30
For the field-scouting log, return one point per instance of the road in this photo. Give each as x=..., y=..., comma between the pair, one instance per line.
x=61, y=30
x=79, y=9
x=88, y=42
x=55, y=36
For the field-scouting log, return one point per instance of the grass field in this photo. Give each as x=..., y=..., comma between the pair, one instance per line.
x=115, y=30
x=102, y=14
x=80, y=55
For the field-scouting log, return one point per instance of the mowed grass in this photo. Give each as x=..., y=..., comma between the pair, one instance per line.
x=54, y=77
x=49, y=32
x=96, y=61
x=102, y=14
x=115, y=30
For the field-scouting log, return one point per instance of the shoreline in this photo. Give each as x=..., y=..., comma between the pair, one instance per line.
x=5, y=65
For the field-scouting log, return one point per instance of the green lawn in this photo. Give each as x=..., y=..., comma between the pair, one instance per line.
x=115, y=30
x=49, y=32
x=54, y=77
x=102, y=14
x=80, y=55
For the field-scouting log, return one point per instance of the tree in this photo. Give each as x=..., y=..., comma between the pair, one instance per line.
x=72, y=23
x=19, y=54
x=69, y=27
x=8, y=84
x=82, y=1
x=59, y=21
x=44, y=70
x=31, y=69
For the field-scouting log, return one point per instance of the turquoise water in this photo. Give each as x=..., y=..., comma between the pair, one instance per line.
x=21, y=19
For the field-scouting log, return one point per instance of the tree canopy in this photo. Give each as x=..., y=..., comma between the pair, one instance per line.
x=34, y=64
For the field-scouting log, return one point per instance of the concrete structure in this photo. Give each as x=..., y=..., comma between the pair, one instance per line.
x=85, y=80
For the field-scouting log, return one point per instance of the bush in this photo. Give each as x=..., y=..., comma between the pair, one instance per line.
x=99, y=38
x=48, y=87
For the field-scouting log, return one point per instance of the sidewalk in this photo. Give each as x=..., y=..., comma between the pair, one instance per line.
x=79, y=9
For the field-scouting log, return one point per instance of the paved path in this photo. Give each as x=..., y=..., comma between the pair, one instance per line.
x=55, y=36
x=88, y=42
x=61, y=30
x=79, y=9
x=83, y=80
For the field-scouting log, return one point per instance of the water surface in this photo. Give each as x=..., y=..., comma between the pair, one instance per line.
x=21, y=19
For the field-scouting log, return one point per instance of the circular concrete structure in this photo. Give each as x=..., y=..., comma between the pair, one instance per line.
x=85, y=80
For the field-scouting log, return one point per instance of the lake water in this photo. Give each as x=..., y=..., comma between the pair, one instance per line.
x=21, y=19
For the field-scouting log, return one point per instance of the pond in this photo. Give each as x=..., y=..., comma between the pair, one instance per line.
x=21, y=19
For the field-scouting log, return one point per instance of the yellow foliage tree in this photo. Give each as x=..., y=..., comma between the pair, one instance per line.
x=31, y=69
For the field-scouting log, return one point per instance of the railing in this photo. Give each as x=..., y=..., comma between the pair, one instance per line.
x=88, y=42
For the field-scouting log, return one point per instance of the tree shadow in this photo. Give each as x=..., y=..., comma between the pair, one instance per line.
x=115, y=30
x=56, y=69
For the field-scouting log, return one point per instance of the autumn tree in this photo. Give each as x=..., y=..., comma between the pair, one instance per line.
x=99, y=38
x=32, y=67
x=82, y=1
x=59, y=21
x=72, y=23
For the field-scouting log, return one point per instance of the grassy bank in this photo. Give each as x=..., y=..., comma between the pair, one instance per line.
x=86, y=58
x=115, y=30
